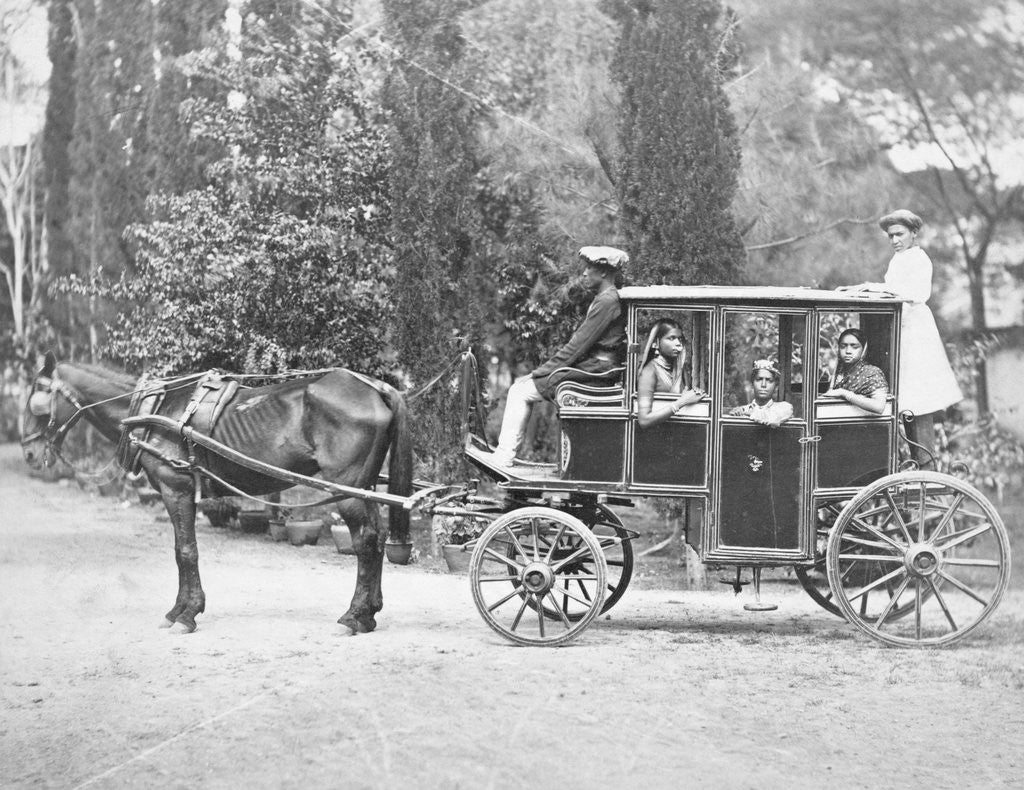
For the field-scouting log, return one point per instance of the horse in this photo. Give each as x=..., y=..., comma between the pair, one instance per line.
x=334, y=423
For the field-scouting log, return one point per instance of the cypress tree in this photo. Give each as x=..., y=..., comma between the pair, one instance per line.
x=60, y=120
x=680, y=148
x=177, y=159
x=435, y=215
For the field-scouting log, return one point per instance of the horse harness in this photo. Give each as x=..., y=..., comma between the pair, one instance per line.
x=43, y=406
x=214, y=390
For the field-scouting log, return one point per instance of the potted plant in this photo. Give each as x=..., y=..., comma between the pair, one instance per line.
x=454, y=535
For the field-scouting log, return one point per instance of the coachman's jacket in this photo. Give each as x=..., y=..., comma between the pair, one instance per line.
x=596, y=347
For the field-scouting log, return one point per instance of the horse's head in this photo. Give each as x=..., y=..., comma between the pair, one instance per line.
x=50, y=411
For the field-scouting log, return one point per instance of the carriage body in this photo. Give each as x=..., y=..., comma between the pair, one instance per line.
x=756, y=489
x=911, y=557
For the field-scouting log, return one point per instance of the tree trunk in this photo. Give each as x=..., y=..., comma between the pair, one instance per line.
x=976, y=286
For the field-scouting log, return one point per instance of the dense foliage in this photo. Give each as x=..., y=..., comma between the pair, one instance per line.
x=680, y=146
x=442, y=288
x=282, y=261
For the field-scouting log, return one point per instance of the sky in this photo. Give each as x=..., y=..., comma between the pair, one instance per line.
x=25, y=26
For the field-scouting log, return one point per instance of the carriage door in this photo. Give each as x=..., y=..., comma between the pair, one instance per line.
x=855, y=446
x=760, y=480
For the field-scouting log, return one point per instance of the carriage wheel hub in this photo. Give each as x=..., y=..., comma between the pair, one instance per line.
x=922, y=560
x=538, y=577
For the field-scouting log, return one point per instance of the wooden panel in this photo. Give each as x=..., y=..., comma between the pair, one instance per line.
x=761, y=472
x=671, y=453
x=852, y=454
x=592, y=449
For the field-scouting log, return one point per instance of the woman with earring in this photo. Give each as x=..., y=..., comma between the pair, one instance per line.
x=662, y=371
x=926, y=380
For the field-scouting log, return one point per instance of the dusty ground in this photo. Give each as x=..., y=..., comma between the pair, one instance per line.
x=675, y=689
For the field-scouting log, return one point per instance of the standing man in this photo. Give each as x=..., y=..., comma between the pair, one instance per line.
x=596, y=347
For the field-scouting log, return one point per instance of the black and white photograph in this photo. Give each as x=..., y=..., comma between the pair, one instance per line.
x=512, y=393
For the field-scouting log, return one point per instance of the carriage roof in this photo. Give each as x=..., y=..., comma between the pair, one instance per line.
x=753, y=294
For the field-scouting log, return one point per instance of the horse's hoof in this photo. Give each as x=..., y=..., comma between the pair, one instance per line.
x=182, y=628
x=165, y=623
x=346, y=630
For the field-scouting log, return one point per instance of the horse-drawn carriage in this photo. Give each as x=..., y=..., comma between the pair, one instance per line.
x=908, y=555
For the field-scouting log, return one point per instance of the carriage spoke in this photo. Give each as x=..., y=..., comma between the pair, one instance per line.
x=873, y=544
x=554, y=544
x=522, y=609
x=963, y=537
x=518, y=591
x=921, y=508
x=942, y=602
x=972, y=563
x=583, y=588
x=918, y=602
x=559, y=609
x=536, y=539
x=947, y=517
x=571, y=558
x=871, y=557
x=878, y=534
x=963, y=588
x=892, y=602
x=564, y=591
x=540, y=615
x=510, y=578
x=509, y=561
x=515, y=541
x=876, y=583
x=895, y=514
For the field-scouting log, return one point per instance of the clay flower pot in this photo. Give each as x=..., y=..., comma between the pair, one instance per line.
x=278, y=530
x=218, y=511
x=398, y=553
x=303, y=533
x=457, y=557
x=342, y=538
x=254, y=521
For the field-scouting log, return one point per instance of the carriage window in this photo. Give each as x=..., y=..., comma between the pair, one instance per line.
x=696, y=330
x=877, y=329
x=753, y=336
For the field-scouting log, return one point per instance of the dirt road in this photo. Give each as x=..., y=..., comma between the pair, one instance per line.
x=676, y=689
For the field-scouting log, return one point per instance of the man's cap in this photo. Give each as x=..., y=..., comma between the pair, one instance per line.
x=901, y=216
x=604, y=256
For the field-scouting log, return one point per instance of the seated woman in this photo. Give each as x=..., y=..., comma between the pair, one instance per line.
x=764, y=377
x=662, y=371
x=854, y=380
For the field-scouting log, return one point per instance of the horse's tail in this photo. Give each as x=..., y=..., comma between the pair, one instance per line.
x=399, y=465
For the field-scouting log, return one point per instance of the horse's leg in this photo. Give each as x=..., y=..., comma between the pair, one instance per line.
x=179, y=499
x=368, y=544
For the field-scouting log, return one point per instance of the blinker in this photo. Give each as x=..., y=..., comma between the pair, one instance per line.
x=39, y=404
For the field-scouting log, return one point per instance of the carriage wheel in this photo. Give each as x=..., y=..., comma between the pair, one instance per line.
x=528, y=562
x=814, y=578
x=616, y=547
x=924, y=541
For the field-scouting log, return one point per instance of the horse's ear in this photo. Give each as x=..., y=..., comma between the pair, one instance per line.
x=49, y=363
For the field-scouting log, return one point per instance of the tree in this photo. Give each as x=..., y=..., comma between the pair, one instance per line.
x=282, y=261
x=20, y=92
x=107, y=187
x=440, y=288
x=680, y=149
x=813, y=180
x=176, y=159
x=940, y=81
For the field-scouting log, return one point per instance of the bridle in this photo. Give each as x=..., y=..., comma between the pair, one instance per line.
x=53, y=433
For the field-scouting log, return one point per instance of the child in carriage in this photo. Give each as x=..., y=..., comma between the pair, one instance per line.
x=764, y=377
